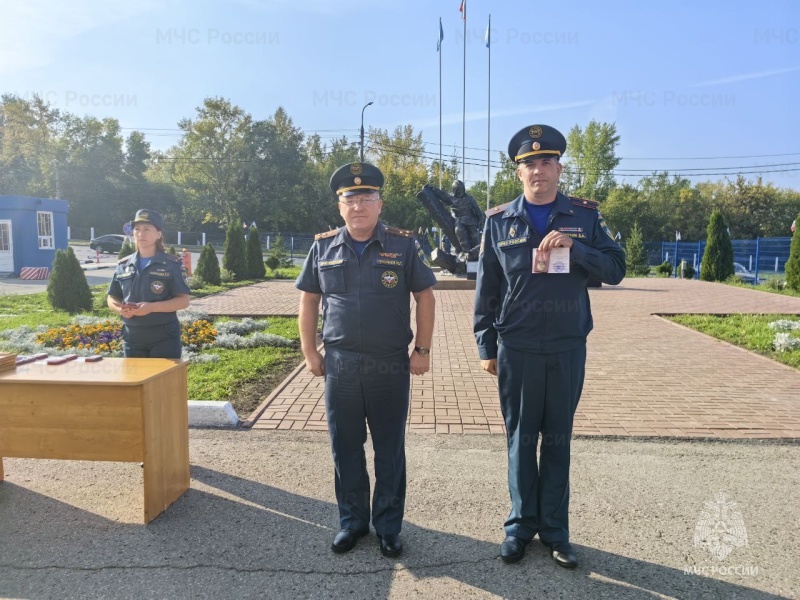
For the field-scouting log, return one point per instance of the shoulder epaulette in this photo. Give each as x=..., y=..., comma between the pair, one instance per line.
x=496, y=209
x=124, y=258
x=173, y=258
x=326, y=234
x=583, y=202
x=400, y=232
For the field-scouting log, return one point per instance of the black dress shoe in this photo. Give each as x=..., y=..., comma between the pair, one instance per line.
x=346, y=540
x=391, y=545
x=513, y=549
x=563, y=554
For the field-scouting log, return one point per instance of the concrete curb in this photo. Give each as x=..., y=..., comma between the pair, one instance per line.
x=96, y=266
x=212, y=413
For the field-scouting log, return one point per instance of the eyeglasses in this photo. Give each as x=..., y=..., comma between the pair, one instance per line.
x=362, y=202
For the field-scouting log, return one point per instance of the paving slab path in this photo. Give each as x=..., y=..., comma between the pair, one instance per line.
x=646, y=376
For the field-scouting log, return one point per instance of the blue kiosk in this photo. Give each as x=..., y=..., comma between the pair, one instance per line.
x=31, y=230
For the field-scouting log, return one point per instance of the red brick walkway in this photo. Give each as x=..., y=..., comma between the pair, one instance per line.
x=645, y=375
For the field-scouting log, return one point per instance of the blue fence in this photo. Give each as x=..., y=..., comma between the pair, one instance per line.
x=762, y=256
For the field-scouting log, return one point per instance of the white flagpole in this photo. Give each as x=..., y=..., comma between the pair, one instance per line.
x=464, y=103
x=489, y=118
x=440, y=102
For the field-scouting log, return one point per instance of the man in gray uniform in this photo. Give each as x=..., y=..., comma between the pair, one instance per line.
x=532, y=317
x=364, y=273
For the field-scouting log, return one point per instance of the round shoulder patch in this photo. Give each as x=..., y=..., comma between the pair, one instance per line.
x=389, y=279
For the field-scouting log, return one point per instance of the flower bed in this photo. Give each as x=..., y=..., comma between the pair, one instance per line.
x=93, y=335
x=104, y=337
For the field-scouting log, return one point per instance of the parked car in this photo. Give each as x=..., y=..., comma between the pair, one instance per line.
x=740, y=271
x=111, y=243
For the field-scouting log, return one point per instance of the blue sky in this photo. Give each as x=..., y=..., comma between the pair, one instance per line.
x=683, y=81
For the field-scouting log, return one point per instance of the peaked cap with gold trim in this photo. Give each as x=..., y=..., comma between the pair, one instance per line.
x=356, y=178
x=146, y=215
x=536, y=141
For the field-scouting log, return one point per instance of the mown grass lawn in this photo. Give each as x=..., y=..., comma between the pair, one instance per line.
x=773, y=284
x=34, y=310
x=243, y=377
x=747, y=331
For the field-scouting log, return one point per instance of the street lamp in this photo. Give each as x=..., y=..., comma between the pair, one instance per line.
x=362, y=129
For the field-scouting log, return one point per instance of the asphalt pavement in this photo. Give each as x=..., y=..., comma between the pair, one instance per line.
x=260, y=516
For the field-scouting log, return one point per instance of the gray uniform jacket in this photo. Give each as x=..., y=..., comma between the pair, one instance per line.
x=164, y=278
x=540, y=313
x=366, y=306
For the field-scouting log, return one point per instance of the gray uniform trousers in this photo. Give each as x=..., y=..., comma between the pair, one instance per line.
x=539, y=394
x=362, y=389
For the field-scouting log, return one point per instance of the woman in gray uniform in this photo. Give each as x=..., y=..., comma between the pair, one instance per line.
x=148, y=288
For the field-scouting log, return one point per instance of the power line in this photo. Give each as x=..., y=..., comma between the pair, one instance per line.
x=387, y=147
x=503, y=152
x=744, y=169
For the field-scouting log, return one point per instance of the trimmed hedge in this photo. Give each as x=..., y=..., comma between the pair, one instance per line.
x=68, y=289
x=208, y=266
x=255, y=256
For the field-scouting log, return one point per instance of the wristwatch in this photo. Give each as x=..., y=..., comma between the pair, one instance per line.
x=422, y=351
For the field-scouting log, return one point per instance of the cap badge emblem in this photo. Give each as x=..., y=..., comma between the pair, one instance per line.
x=536, y=145
x=535, y=132
x=357, y=181
x=356, y=169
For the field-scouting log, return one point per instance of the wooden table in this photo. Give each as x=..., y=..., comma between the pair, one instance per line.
x=118, y=409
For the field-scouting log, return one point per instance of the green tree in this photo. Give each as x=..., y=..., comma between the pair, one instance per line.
x=626, y=207
x=478, y=191
x=28, y=143
x=45, y=152
x=449, y=169
x=793, y=264
x=68, y=289
x=208, y=266
x=255, y=256
x=234, y=257
x=635, y=253
x=506, y=185
x=787, y=205
x=753, y=209
x=662, y=194
x=211, y=159
x=717, y=264
x=277, y=256
x=276, y=176
x=127, y=249
x=91, y=159
x=324, y=159
x=592, y=151
x=137, y=154
x=400, y=157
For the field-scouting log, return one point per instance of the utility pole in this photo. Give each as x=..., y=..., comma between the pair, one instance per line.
x=58, y=183
x=362, y=129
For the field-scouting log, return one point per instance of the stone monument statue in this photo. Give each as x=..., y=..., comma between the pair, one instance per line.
x=462, y=227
